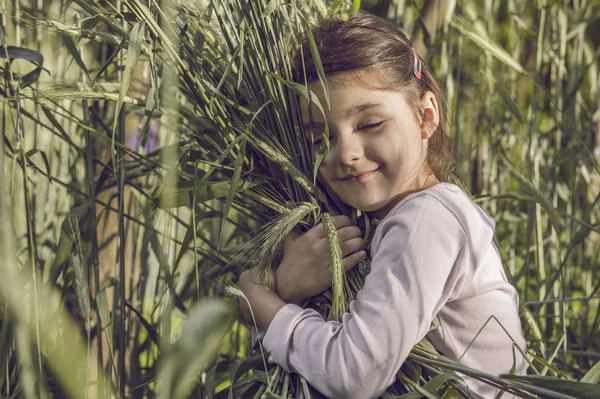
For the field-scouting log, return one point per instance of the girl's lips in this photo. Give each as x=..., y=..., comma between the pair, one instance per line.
x=359, y=176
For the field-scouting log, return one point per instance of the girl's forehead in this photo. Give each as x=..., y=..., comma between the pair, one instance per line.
x=348, y=99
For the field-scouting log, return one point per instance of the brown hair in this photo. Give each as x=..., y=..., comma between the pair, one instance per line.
x=367, y=42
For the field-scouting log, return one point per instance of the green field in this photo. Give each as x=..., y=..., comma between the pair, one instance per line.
x=149, y=156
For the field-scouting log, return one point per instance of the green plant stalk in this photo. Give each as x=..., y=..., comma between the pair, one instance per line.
x=339, y=303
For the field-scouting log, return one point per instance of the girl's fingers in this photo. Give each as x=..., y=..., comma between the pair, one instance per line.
x=339, y=222
x=348, y=233
x=352, y=260
x=348, y=262
x=351, y=246
x=317, y=232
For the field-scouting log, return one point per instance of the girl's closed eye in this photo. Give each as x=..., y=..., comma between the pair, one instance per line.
x=318, y=140
x=371, y=125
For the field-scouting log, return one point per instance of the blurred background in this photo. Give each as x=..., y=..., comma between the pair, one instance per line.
x=107, y=257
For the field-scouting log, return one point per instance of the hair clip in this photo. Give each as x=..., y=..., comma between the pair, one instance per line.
x=417, y=65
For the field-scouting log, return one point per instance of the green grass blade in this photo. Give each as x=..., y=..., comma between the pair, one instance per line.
x=510, y=102
x=485, y=43
x=70, y=44
x=186, y=360
x=133, y=54
x=175, y=197
x=314, y=52
x=109, y=61
x=340, y=284
x=562, y=386
x=592, y=376
x=271, y=6
x=323, y=151
x=235, y=182
x=104, y=314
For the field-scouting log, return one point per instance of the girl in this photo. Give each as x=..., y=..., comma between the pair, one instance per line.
x=432, y=252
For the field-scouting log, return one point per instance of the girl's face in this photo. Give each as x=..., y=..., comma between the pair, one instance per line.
x=378, y=143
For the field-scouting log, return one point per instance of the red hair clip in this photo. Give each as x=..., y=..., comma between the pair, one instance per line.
x=417, y=65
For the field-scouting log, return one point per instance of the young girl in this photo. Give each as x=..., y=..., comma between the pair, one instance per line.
x=432, y=251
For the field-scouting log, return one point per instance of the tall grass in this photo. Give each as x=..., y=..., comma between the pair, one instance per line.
x=161, y=154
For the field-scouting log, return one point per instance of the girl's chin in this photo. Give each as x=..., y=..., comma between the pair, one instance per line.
x=367, y=206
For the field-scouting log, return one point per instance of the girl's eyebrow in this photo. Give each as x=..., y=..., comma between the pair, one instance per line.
x=360, y=108
x=348, y=113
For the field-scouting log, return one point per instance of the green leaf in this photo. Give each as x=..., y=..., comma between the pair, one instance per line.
x=335, y=7
x=579, y=390
x=592, y=376
x=109, y=61
x=35, y=57
x=133, y=55
x=252, y=363
x=323, y=151
x=197, y=346
x=70, y=44
x=510, y=102
x=103, y=312
x=452, y=393
x=31, y=153
x=485, y=43
x=63, y=250
x=541, y=197
x=210, y=382
x=225, y=75
x=311, y=96
x=241, y=53
x=301, y=90
x=270, y=395
x=80, y=213
x=148, y=114
x=271, y=6
x=412, y=370
x=410, y=395
x=235, y=182
x=57, y=125
x=13, y=53
x=152, y=333
x=6, y=341
x=339, y=281
x=175, y=197
x=438, y=381
x=314, y=52
x=165, y=268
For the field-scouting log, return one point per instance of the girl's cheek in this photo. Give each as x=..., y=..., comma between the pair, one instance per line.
x=325, y=162
x=325, y=173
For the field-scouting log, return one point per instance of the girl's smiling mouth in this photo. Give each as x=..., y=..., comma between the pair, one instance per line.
x=359, y=176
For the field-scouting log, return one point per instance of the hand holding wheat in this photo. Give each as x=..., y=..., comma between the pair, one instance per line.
x=305, y=270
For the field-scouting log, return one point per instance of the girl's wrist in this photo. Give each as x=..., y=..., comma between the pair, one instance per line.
x=263, y=300
x=284, y=294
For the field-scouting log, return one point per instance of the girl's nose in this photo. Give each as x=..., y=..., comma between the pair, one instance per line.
x=349, y=149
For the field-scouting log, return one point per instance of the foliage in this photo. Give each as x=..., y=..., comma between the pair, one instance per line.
x=209, y=81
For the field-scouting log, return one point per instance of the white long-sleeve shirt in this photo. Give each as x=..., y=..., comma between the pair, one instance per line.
x=432, y=255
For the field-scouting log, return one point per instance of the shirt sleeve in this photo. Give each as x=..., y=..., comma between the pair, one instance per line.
x=417, y=266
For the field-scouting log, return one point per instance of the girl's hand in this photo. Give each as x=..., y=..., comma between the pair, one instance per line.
x=249, y=283
x=263, y=299
x=305, y=270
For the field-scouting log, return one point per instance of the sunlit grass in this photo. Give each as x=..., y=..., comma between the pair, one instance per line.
x=168, y=193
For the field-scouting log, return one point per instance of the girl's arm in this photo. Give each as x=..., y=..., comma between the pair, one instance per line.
x=264, y=301
x=304, y=271
x=413, y=274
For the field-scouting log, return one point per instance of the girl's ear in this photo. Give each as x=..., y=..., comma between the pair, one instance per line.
x=430, y=116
